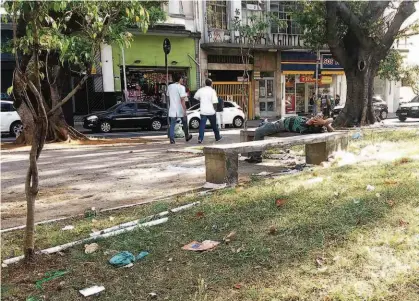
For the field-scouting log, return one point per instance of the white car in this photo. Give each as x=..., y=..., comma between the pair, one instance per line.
x=232, y=115
x=10, y=120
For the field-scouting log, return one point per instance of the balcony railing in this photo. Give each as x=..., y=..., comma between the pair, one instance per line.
x=268, y=39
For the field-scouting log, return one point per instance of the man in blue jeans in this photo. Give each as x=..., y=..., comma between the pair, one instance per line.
x=208, y=99
x=177, y=109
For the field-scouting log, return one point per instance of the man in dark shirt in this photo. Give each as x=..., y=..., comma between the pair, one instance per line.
x=295, y=124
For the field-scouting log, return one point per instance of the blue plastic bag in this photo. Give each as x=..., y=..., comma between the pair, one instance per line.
x=125, y=257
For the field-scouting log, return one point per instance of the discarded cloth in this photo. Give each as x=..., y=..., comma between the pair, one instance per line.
x=124, y=258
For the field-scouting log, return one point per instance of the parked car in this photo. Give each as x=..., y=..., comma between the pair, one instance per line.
x=409, y=109
x=379, y=105
x=232, y=115
x=127, y=115
x=10, y=120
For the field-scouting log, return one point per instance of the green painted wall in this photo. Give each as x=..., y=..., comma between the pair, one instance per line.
x=149, y=49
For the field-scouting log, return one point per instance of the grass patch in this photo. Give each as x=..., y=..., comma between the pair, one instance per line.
x=333, y=240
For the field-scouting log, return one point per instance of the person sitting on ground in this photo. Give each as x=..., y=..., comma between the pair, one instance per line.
x=295, y=124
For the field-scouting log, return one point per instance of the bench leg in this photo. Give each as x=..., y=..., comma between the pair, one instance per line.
x=222, y=168
x=319, y=152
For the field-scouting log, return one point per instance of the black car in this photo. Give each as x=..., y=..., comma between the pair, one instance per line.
x=127, y=115
x=379, y=105
x=409, y=109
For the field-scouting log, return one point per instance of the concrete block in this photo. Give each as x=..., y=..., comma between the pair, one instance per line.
x=222, y=168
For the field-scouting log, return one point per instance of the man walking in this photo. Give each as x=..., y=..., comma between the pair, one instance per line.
x=177, y=109
x=296, y=124
x=207, y=98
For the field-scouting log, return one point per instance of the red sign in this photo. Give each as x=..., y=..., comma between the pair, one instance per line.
x=307, y=79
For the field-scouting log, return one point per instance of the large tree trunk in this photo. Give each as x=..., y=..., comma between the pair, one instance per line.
x=358, y=108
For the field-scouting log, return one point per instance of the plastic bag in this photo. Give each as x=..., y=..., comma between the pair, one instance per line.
x=179, y=131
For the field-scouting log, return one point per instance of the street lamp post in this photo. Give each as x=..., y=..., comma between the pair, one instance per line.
x=166, y=48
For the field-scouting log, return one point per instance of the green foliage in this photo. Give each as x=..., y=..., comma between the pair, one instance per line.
x=392, y=66
x=76, y=29
x=411, y=78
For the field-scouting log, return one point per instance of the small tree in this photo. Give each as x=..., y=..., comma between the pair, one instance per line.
x=411, y=78
x=359, y=35
x=50, y=37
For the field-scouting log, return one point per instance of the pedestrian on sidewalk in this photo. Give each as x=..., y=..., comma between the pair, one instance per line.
x=177, y=109
x=208, y=100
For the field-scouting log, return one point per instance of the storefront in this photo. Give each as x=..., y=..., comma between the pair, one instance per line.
x=299, y=79
x=145, y=71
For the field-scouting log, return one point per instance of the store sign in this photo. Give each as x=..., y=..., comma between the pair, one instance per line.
x=307, y=79
x=328, y=62
x=256, y=74
x=326, y=80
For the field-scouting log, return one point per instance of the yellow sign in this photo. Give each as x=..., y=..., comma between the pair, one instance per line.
x=326, y=80
x=93, y=70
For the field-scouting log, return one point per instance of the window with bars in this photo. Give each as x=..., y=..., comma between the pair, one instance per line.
x=217, y=14
x=283, y=10
x=252, y=8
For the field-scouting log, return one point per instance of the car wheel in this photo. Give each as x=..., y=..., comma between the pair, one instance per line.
x=16, y=128
x=402, y=119
x=383, y=115
x=105, y=127
x=194, y=123
x=156, y=125
x=238, y=122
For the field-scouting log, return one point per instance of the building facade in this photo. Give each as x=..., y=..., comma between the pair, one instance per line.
x=281, y=72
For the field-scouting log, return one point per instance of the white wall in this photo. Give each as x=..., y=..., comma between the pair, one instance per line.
x=107, y=68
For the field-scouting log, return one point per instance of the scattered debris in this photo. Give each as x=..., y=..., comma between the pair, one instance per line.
x=3, y=265
x=238, y=286
x=92, y=290
x=122, y=259
x=403, y=160
x=370, y=188
x=153, y=295
x=377, y=195
x=111, y=218
x=356, y=201
x=90, y=212
x=170, y=259
x=357, y=135
x=273, y=229
x=128, y=265
x=68, y=227
x=62, y=254
x=50, y=276
x=320, y=261
x=403, y=223
x=142, y=255
x=280, y=202
x=314, y=180
x=231, y=236
x=89, y=249
x=94, y=221
x=391, y=203
x=214, y=228
x=198, y=246
x=390, y=182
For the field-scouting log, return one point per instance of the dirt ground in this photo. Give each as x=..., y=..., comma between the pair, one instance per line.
x=74, y=178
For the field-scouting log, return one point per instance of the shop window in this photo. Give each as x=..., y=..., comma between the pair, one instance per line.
x=262, y=89
x=252, y=9
x=270, y=88
x=217, y=14
x=283, y=10
x=262, y=106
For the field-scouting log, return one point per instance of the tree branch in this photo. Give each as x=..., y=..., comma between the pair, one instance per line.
x=69, y=95
x=406, y=8
x=333, y=40
x=375, y=10
x=351, y=20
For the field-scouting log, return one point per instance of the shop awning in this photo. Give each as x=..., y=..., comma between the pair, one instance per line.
x=333, y=72
x=298, y=72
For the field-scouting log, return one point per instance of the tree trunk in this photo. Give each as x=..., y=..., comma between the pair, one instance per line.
x=358, y=107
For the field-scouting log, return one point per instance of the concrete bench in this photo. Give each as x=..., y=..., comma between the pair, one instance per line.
x=222, y=161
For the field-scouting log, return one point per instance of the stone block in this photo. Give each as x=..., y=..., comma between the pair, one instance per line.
x=222, y=168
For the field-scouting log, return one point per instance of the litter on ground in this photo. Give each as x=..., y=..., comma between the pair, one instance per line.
x=88, y=249
x=370, y=188
x=50, y=276
x=199, y=247
x=68, y=227
x=92, y=290
x=125, y=258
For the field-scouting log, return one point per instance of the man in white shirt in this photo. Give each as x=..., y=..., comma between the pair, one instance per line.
x=207, y=98
x=177, y=107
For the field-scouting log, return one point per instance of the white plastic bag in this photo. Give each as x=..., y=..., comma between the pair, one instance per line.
x=179, y=131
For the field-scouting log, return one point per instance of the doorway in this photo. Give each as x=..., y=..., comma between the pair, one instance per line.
x=267, y=97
